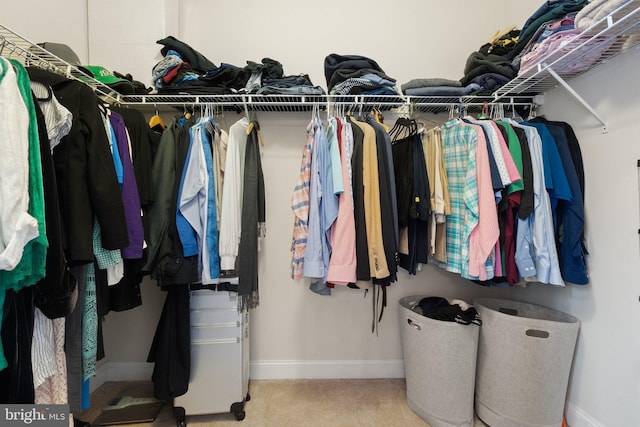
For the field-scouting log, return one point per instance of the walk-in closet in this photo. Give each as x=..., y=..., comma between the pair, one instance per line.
x=282, y=213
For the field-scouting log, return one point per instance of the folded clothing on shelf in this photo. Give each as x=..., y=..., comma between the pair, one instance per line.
x=355, y=74
x=183, y=70
x=596, y=10
x=479, y=63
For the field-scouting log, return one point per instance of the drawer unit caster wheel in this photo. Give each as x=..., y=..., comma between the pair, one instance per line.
x=238, y=410
x=248, y=398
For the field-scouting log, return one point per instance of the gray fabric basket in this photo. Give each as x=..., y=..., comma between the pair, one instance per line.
x=525, y=354
x=439, y=365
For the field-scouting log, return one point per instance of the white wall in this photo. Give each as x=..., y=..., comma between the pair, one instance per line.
x=604, y=384
x=296, y=333
x=63, y=21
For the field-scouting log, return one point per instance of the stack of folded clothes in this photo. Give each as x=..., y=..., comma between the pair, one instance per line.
x=268, y=78
x=597, y=10
x=555, y=39
x=485, y=71
x=355, y=75
x=550, y=10
x=185, y=70
x=437, y=87
x=489, y=71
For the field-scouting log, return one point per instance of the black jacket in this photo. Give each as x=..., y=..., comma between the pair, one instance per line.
x=197, y=60
x=87, y=181
x=363, y=271
x=55, y=294
x=165, y=260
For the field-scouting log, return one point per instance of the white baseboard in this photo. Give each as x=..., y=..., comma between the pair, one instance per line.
x=268, y=370
x=576, y=417
x=325, y=369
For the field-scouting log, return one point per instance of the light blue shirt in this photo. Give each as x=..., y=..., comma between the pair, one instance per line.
x=188, y=185
x=535, y=239
x=334, y=150
x=211, y=232
x=327, y=211
x=312, y=264
x=555, y=177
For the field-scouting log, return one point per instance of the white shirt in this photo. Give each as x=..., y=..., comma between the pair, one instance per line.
x=230, y=225
x=17, y=227
x=56, y=116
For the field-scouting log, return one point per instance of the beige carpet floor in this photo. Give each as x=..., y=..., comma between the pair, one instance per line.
x=285, y=403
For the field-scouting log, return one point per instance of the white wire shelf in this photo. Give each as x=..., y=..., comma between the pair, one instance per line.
x=13, y=46
x=301, y=103
x=606, y=38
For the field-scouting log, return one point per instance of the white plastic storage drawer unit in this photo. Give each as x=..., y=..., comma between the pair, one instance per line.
x=219, y=380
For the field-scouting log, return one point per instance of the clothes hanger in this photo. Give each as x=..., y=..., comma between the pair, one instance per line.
x=485, y=111
x=378, y=117
x=253, y=120
x=156, y=122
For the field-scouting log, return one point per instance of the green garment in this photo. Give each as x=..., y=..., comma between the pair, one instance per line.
x=32, y=265
x=516, y=154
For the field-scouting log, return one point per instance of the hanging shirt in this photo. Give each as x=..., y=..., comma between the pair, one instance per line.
x=554, y=175
x=536, y=253
x=115, y=150
x=24, y=243
x=107, y=259
x=491, y=136
x=318, y=250
x=210, y=255
x=507, y=169
x=220, y=141
x=300, y=206
x=129, y=189
x=571, y=219
x=377, y=261
x=458, y=141
x=439, y=193
x=193, y=201
x=230, y=226
x=514, y=197
x=313, y=264
x=57, y=118
x=363, y=271
x=186, y=232
x=342, y=265
x=388, y=203
x=17, y=225
x=484, y=236
x=334, y=150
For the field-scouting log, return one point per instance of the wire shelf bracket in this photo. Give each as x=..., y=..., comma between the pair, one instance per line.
x=577, y=96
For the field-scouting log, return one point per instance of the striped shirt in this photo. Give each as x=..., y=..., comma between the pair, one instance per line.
x=300, y=206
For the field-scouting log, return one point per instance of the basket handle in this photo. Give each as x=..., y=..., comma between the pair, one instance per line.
x=414, y=324
x=537, y=333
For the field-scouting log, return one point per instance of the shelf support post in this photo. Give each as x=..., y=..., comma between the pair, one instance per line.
x=577, y=96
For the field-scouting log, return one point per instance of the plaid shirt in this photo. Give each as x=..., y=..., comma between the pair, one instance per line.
x=300, y=206
x=104, y=257
x=459, y=153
